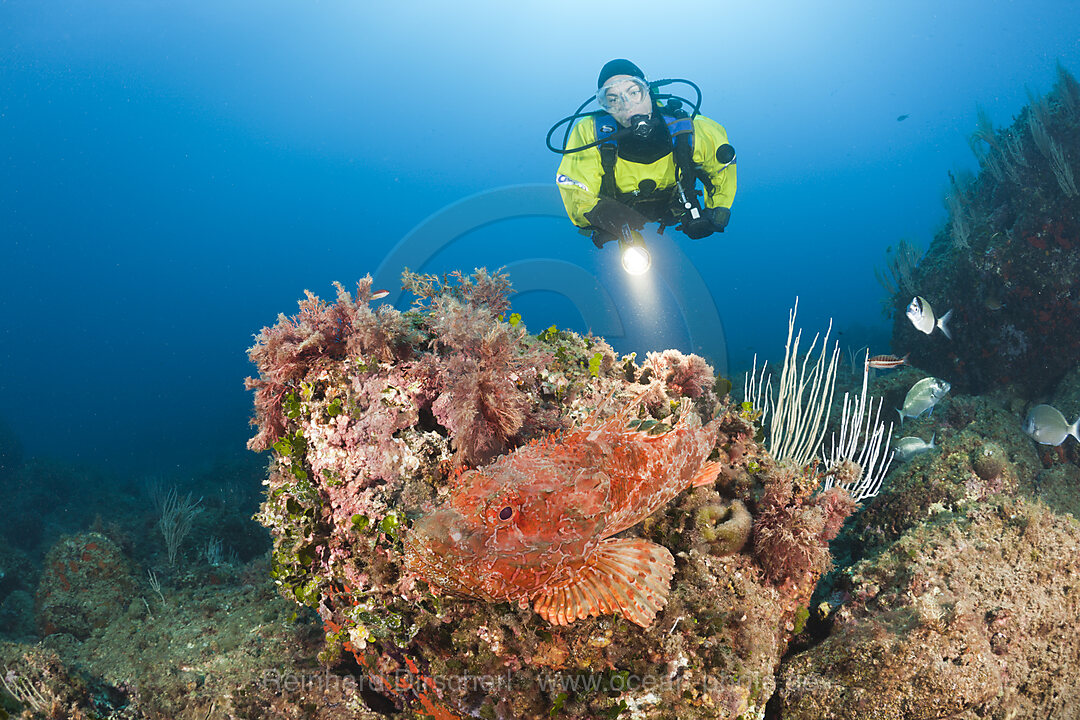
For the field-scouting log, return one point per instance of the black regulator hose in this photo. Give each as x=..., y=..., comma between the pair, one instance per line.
x=665, y=96
x=621, y=132
x=567, y=120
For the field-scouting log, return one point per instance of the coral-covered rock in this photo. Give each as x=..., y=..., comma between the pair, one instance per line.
x=364, y=446
x=43, y=682
x=980, y=451
x=961, y=617
x=86, y=583
x=1058, y=485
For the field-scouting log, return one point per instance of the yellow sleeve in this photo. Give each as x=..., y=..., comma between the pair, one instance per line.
x=708, y=136
x=580, y=173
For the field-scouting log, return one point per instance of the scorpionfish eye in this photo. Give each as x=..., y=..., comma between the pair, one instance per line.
x=506, y=513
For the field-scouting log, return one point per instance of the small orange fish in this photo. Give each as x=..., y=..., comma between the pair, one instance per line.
x=535, y=526
x=379, y=294
x=886, y=362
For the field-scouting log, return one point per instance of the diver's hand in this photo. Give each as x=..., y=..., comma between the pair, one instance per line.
x=611, y=216
x=711, y=220
x=719, y=217
x=601, y=238
x=699, y=228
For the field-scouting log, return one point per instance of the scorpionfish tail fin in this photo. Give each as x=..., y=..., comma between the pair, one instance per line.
x=627, y=576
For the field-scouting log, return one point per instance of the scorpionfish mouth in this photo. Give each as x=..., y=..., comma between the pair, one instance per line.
x=440, y=547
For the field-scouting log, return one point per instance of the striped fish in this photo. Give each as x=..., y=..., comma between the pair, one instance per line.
x=886, y=362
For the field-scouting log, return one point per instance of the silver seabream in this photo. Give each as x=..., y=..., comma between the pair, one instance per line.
x=909, y=447
x=922, y=317
x=1045, y=424
x=923, y=396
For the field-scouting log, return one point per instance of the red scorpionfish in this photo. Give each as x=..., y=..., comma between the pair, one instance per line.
x=536, y=525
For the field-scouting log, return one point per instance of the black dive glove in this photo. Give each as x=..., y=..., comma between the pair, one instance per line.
x=719, y=217
x=711, y=220
x=611, y=216
x=601, y=238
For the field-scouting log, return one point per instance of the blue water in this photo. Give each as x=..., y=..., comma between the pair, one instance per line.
x=174, y=174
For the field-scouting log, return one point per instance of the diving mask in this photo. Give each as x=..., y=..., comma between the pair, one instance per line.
x=622, y=93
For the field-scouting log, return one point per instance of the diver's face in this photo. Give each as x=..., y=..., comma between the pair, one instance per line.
x=625, y=96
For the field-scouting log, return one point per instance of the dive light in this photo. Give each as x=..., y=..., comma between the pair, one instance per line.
x=635, y=256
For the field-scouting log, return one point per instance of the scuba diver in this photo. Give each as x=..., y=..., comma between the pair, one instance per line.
x=637, y=160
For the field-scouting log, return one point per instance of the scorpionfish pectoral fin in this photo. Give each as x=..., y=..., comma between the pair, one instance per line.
x=628, y=576
x=706, y=474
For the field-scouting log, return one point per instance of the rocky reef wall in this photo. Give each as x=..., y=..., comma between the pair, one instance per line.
x=1007, y=263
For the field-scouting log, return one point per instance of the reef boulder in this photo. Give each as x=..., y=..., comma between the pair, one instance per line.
x=85, y=584
x=372, y=414
x=965, y=618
